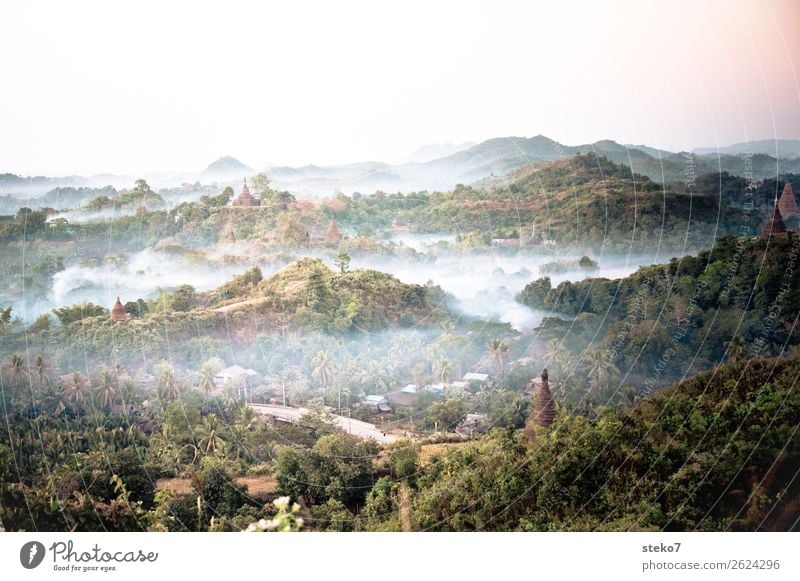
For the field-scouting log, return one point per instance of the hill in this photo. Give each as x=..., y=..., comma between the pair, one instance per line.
x=584, y=200
x=227, y=165
x=735, y=301
x=719, y=451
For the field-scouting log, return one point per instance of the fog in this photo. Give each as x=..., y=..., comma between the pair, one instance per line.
x=140, y=277
x=485, y=285
x=481, y=285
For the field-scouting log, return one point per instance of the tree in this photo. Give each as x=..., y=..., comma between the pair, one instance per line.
x=339, y=466
x=184, y=298
x=446, y=415
x=5, y=316
x=442, y=369
x=736, y=348
x=500, y=351
x=290, y=229
x=557, y=355
x=167, y=385
x=76, y=388
x=599, y=368
x=67, y=315
x=342, y=261
x=206, y=378
x=323, y=372
x=209, y=440
x=41, y=370
x=107, y=388
x=16, y=369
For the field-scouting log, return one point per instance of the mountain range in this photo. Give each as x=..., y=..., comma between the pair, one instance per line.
x=492, y=160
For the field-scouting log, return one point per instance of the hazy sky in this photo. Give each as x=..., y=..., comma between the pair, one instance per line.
x=90, y=87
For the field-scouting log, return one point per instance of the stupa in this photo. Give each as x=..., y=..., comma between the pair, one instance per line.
x=245, y=198
x=118, y=313
x=775, y=225
x=787, y=204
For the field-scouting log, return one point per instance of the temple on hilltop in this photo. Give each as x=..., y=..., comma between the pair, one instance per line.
x=543, y=413
x=118, y=313
x=245, y=199
x=775, y=225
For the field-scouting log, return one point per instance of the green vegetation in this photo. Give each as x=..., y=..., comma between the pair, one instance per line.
x=696, y=311
x=695, y=456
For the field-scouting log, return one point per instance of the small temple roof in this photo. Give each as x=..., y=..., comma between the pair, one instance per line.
x=775, y=225
x=118, y=312
x=787, y=204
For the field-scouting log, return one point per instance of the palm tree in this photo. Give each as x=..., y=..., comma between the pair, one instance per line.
x=323, y=372
x=5, y=317
x=206, y=379
x=40, y=369
x=735, y=348
x=231, y=400
x=107, y=388
x=16, y=369
x=600, y=368
x=499, y=349
x=210, y=439
x=76, y=388
x=167, y=386
x=128, y=394
x=557, y=355
x=242, y=431
x=442, y=369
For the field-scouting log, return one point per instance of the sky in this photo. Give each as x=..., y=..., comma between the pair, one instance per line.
x=95, y=87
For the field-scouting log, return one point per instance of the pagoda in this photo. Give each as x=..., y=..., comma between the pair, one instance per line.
x=118, y=313
x=333, y=236
x=775, y=225
x=543, y=413
x=245, y=198
x=787, y=203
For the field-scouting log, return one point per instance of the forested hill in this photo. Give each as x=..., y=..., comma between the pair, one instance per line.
x=736, y=300
x=584, y=200
x=305, y=296
x=717, y=452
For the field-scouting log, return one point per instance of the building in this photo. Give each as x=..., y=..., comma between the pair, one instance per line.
x=245, y=199
x=775, y=225
x=377, y=402
x=787, y=204
x=543, y=413
x=233, y=373
x=118, y=313
x=333, y=235
x=473, y=424
x=405, y=397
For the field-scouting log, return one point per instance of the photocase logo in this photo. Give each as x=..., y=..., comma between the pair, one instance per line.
x=31, y=554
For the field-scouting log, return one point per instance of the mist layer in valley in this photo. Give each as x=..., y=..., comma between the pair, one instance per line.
x=480, y=285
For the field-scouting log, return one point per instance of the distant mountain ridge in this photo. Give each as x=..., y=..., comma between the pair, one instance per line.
x=777, y=148
x=491, y=161
x=433, y=151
